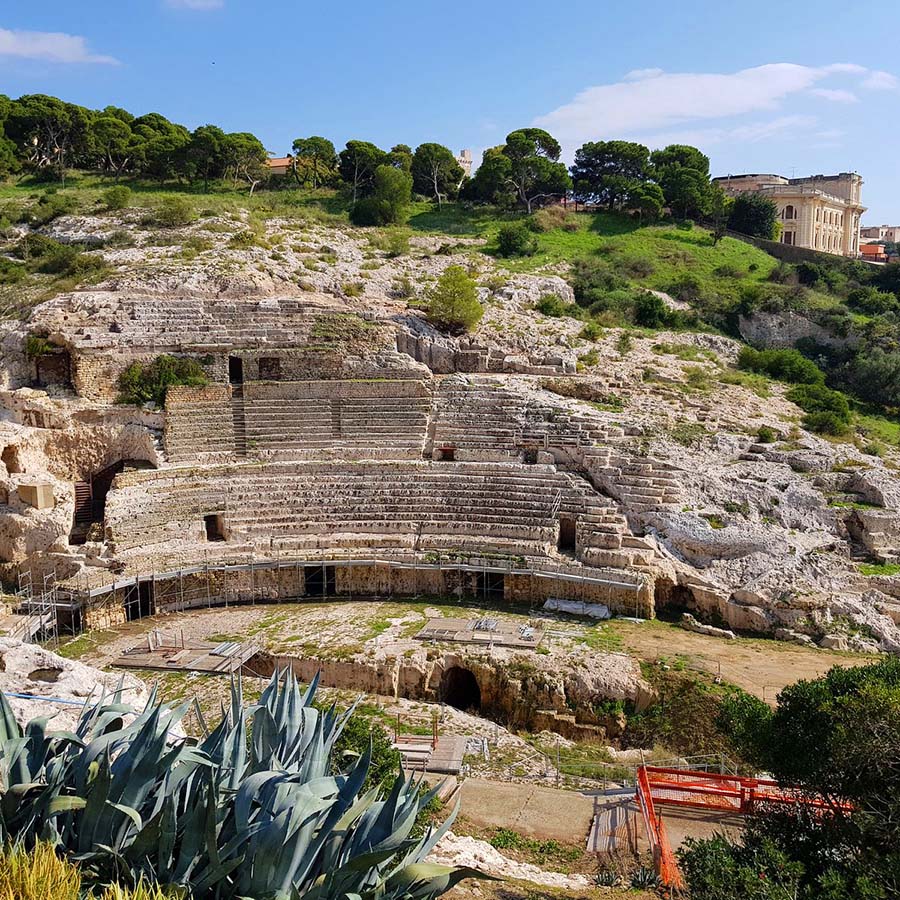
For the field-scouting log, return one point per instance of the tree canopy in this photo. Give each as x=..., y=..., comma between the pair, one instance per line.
x=435, y=172
x=610, y=173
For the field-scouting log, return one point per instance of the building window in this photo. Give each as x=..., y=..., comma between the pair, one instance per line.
x=788, y=238
x=789, y=212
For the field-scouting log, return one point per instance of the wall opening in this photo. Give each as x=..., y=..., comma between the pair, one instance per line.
x=529, y=456
x=235, y=370
x=319, y=581
x=490, y=585
x=90, y=500
x=446, y=454
x=269, y=368
x=10, y=457
x=566, y=541
x=459, y=689
x=53, y=368
x=140, y=601
x=671, y=600
x=214, y=524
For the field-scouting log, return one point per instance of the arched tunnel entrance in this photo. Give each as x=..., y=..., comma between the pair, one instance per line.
x=459, y=689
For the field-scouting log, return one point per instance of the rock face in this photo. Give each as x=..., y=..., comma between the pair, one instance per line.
x=461, y=850
x=30, y=669
x=765, y=537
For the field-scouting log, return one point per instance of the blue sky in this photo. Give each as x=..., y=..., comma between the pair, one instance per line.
x=795, y=88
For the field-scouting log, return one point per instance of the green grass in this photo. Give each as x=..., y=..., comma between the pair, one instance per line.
x=880, y=569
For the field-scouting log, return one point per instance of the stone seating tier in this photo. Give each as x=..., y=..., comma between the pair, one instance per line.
x=258, y=501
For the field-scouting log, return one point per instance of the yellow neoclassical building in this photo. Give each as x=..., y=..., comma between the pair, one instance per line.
x=822, y=212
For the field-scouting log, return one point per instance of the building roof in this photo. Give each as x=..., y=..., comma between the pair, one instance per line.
x=277, y=161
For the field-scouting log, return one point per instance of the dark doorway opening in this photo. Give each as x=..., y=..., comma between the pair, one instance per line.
x=529, y=456
x=90, y=499
x=235, y=370
x=446, y=454
x=566, y=542
x=269, y=368
x=10, y=458
x=214, y=525
x=672, y=600
x=53, y=368
x=459, y=689
x=140, y=601
x=490, y=585
x=320, y=581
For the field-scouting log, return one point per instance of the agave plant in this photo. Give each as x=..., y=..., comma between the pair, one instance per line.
x=645, y=879
x=253, y=810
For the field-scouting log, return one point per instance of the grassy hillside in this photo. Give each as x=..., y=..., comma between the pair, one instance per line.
x=611, y=260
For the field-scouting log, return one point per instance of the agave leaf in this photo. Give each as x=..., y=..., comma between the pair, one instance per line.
x=425, y=880
x=66, y=804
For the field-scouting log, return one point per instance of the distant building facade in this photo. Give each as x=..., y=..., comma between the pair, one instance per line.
x=822, y=212
x=889, y=233
x=465, y=161
x=280, y=165
x=873, y=252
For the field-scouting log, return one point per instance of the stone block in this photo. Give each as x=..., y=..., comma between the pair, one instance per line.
x=39, y=495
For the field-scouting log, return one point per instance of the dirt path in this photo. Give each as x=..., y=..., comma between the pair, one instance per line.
x=761, y=667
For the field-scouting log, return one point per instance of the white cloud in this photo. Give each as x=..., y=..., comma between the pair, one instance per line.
x=751, y=133
x=881, y=81
x=48, y=46
x=838, y=95
x=641, y=74
x=649, y=101
x=196, y=4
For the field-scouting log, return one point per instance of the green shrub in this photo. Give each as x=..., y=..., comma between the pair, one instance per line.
x=118, y=197
x=11, y=272
x=785, y=365
x=592, y=331
x=766, y=435
x=553, y=305
x=353, y=288
x=174, y=212
x=686, y=288
x=50, y=206
x=593, y=280
x=515, y=239
x=827, y=411
x=36, y=346
x=552, y=217
x=727, y=271
x=370, y=211
x=453, y=302
x=144, y=382
x=650, y=310
x=394, y=243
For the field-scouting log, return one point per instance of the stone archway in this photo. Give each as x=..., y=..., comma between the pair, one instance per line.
x=459, y=688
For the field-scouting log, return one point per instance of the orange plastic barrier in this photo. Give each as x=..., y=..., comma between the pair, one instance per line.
x=704, y=790
x=663, y=857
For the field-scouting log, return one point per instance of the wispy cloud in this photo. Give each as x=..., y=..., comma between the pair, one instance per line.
x=48, y=46
x=881, y=81
x=196, y=4
x=652, y=105
x=838, y=95
x=749, y=133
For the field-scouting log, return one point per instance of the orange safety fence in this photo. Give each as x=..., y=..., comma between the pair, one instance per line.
x=663, y=857
x=704, y=790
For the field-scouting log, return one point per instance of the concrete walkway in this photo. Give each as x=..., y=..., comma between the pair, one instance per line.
x=539, y=812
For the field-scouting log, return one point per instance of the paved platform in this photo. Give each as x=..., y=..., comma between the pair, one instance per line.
x=536, y=811
x=165, y=653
